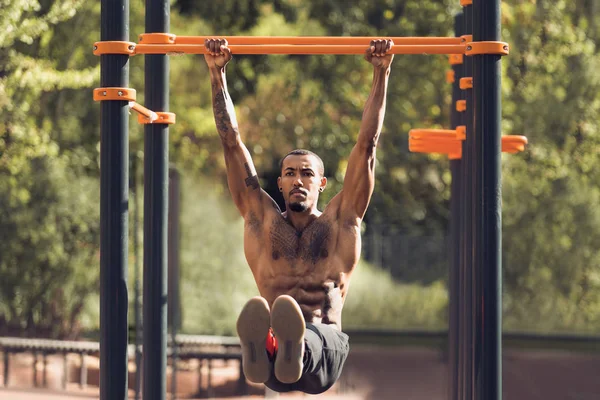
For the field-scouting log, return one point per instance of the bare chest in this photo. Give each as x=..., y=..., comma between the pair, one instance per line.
x=310, y=246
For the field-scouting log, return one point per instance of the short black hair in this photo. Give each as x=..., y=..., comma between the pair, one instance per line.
x=302, y=152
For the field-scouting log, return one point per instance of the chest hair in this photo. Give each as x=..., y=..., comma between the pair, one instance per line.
x=309, y=245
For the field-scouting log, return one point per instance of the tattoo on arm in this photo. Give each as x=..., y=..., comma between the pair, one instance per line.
x=251, y=180
x=224, y=116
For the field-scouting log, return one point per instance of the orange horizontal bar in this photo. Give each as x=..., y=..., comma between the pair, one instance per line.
x=320, y=40
x=296, y=49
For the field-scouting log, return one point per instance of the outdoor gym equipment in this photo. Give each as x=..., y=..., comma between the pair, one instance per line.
x=475, y=277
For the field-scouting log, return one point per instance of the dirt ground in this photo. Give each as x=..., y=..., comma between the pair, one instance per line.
x=371, y=373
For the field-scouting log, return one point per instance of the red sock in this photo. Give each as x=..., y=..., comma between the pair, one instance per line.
x=271, y=344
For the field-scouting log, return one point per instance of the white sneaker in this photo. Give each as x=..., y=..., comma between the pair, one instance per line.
x=253, y=327
x=288, y=326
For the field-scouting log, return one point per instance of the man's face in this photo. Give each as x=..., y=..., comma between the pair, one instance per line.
x=300, y=182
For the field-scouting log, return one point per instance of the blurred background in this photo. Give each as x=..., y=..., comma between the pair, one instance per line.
x=49, y=168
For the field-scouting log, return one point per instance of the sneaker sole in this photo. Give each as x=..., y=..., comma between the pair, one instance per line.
x=253, y=327
x=289, y=327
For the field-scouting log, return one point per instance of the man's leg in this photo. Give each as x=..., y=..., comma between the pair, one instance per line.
x=325, y=351
x=288, y=326
x=253, y=327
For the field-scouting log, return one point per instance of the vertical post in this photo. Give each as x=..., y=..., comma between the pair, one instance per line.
x=455, y=204
x=136, y=274
x=487, y=120
x=114, y=143
x=467, y=218
x=83, y=372
x=156, y=183
x=65, y=374
x=174, y=193
x=35, y=361
x=6, y=366
x=44, y=369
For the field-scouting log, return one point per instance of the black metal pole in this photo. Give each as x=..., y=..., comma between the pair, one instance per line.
x=136, y=277
x=467, y=227
x=114, y=198
x=156, y=183
x=455, y=204
x=487, y=120
x=174, y=196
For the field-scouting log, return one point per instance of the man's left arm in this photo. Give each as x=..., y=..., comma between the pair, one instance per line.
x=360, y=174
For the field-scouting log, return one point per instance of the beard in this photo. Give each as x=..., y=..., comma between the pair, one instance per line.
x=298, y=207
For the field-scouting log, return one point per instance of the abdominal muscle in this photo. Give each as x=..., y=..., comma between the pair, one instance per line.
x=320, y=289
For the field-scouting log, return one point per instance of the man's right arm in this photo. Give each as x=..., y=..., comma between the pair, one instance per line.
x=241, y=174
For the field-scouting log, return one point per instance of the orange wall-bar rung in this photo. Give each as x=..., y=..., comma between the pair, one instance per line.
x=296, y=49
x=320, y=40
x=510, y=144
x=432, y=134
x=461, y=105
x=465, y=3
x=444, y=146
x=513, y=144
x=114, y=93
x=450, y=76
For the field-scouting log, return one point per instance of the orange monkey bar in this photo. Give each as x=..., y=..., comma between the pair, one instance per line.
x=297, y=49
x=167, y=43
x=319, y=40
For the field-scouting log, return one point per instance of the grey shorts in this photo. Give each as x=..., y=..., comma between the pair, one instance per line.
x=326, y=350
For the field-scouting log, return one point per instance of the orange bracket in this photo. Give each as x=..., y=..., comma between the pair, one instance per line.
x=108, y=47
x=157, y=38
x=461, y=105
x=499, y=48
x=461, y=132
x=465, y=3
x=466, y=83
x=163, y=118
x=450, y=76
x=114, y=93
x=455, y=59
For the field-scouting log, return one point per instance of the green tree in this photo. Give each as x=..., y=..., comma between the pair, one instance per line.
x=49, y=233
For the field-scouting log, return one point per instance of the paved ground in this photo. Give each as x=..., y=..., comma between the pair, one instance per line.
x=402, y=373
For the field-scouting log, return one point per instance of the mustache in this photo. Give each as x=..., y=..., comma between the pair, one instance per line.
x=298, y=191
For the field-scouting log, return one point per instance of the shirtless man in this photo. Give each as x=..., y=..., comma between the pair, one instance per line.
x=302, y=259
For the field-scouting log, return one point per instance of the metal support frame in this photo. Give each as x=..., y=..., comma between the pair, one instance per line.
x=487, y=277
x=114, y=160
x=475, y=275
x=156, y=184
x=455, y=205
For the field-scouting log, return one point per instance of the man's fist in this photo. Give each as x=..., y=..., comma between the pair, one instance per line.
x=377, y=53
x=218, y=54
